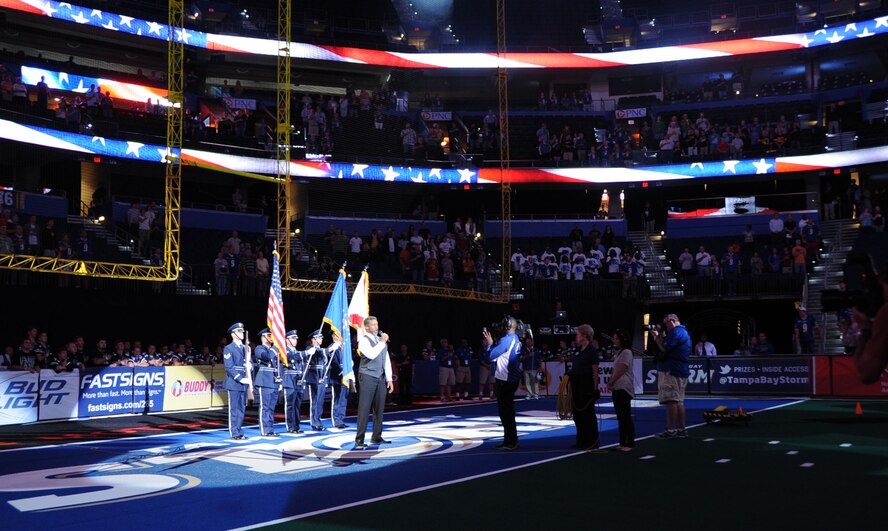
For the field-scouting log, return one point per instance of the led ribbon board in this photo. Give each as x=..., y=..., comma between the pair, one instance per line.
x=125, y=149
x=80, y=84
x=249, y=45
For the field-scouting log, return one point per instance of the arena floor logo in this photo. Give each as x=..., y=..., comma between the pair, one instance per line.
x=145, y=472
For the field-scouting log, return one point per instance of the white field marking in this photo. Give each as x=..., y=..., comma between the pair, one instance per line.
x=78, y=443
x=461, y=480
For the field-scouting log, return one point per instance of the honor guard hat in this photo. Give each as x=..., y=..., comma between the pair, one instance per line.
x=292, y=333
x=235, y=326
x=317, y=333
x=265, y=332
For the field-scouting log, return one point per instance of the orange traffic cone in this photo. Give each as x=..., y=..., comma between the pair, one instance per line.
x=858, y=410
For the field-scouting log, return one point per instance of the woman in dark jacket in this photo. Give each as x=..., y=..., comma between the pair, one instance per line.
x=584, y=388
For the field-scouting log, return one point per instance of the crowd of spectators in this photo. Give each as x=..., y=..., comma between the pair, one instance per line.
x=591, y=256
x=34, y=352
x=864, y=203
x=242, y=268
x=455, y=258
x=696, y=139
x=792, y=248
x=32, y=236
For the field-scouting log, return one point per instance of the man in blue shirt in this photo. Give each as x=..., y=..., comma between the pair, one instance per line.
x=530, y=363
x=673, y=369
x=805, y=328
x=763, y=347
x=238, y=380
x=446, y=374
x=463, y=369
x=507, y=374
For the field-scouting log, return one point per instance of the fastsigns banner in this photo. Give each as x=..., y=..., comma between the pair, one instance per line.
x=18, y=397
x=119, y=390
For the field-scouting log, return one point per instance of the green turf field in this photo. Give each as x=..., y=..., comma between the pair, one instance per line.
x=811, y=465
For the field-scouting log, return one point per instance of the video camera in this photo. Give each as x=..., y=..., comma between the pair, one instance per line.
x=862, y=287
x=522, y=330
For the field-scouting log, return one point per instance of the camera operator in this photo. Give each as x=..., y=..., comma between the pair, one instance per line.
x=673, y=369
x=507, y=373
x=871, y=355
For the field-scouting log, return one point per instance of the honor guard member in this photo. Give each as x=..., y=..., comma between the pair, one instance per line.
x=315, y=378
x=293, y=382
x=339, y=398
x=238, y=379
x=268, y=380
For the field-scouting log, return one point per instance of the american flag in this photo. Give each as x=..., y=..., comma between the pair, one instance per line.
x=276, y=309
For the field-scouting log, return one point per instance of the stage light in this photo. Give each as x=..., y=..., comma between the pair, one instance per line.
x=101, y=219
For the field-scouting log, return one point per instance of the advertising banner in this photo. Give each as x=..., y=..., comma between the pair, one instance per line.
x=220, y=397
x=698, y=380
x=625, y=114
x=58, y=394
x=436, y=116
x=240, y=103
x=846, y=382
x=790, y=375
x=606, y=370
x=118, y=390
x=556, y=370
x=18, y=397
x=187, y=387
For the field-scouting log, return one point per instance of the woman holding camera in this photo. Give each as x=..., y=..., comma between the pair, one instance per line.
x=584, y=388
x=621, y=385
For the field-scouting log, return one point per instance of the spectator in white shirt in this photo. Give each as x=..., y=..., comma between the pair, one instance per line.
x=704, y=260
x=686, y=262
x=705, y=348
x=355, y=244
x=776, y=226
x=579, y=269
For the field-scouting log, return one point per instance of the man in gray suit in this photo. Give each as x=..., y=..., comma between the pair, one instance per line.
x=374, y=381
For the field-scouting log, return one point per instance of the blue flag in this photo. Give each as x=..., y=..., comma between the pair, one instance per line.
x=337, y=317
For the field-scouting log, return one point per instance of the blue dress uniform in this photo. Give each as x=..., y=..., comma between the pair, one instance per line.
x=339, y=400
x=293, y=385
x=234, y=358
x=315, y=377
x=268, y=381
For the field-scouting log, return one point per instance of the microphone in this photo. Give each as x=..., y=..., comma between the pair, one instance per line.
x=379, y=334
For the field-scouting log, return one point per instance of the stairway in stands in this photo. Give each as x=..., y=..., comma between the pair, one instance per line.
x=658, y=271
x=108, y=246
x=838, y=237
x=298, y=249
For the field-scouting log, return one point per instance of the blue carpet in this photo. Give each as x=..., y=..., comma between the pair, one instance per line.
x=202, y=480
